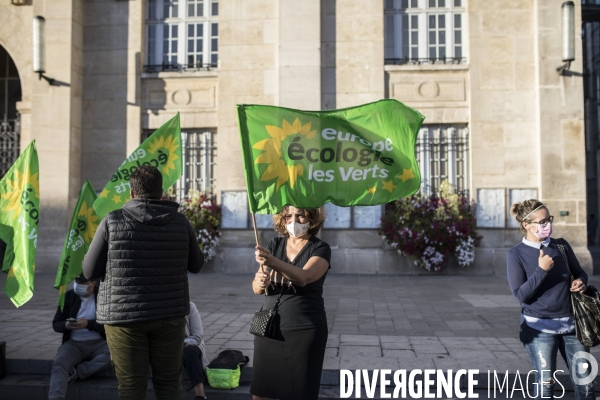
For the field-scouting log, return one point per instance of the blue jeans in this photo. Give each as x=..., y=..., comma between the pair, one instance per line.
x=542, y=349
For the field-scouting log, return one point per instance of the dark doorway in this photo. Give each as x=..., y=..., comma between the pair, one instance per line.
x=10, y=93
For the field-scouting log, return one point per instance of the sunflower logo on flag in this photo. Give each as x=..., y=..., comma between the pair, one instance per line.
x=273, y=154
x=168, y=143
x=24, y=185
x=91, y=220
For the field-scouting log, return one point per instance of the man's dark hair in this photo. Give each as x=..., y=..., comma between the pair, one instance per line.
x=82, y=280
x=146, y=182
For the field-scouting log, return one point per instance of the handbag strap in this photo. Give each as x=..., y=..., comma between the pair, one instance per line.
x=279, y=297
x=561, y=248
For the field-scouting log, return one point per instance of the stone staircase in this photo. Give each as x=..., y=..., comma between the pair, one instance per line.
x=29, y=380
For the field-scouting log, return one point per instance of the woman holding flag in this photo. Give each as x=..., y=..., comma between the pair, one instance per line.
x=289, y=366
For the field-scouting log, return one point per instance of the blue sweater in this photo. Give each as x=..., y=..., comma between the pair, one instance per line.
x=542, y=294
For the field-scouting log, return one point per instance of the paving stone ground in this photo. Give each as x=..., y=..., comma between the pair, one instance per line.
x=375, y=321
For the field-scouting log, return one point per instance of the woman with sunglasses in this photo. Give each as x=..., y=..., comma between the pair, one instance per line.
x=541, y=281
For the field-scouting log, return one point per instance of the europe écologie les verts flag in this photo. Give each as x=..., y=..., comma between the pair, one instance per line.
x=161, y=150
x=81, y=232
x=19, y=220
x=362, y=155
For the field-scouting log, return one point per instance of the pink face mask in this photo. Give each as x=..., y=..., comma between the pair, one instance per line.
x=543, y=233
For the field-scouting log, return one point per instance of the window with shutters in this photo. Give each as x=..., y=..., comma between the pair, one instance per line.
x=182, y=35
x=424, y=31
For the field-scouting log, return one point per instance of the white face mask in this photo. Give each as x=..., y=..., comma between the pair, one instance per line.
x=80, y=290
x=296, y=229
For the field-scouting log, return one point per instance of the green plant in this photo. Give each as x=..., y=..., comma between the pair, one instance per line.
x=431, y=228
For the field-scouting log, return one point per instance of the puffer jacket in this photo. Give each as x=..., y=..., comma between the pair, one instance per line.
x=142, y=253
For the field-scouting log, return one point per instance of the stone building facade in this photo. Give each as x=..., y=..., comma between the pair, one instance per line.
x=501, y=123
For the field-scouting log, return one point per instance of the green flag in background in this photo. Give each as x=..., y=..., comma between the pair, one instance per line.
x=19, y=219
x=78, y=240
x=361, y=155
x=161, y=150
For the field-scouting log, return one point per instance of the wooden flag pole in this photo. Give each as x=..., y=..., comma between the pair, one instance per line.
x=262, y=267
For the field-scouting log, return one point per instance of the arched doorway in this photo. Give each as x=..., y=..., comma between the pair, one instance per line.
x=10, y=93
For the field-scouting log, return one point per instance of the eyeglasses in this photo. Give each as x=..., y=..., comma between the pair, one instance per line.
x=544, y=222
x=299, y=217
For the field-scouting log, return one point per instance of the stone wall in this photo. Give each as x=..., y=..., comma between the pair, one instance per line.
x=248, y=53
x=105, y=85
x=525, y=121
x=50, y=114
x=360, y=252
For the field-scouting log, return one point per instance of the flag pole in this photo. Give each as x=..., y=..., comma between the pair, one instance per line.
x=262, y=267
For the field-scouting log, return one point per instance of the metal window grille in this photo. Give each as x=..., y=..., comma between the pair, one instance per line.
x=9, y=143
x=443, y=153
x=199, y=152
x=10, y=94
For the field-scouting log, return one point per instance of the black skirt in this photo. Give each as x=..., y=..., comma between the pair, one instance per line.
x=289, y=368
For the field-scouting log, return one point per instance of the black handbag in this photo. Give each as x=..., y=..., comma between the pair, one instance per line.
x=265, y=323
x=586, y=309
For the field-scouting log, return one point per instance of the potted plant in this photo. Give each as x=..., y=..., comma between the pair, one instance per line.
x=205, y=216
x=432, y=228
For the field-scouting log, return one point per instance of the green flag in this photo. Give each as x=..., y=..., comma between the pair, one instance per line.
x=78, y=240
x=19, y=219
x=361, y=155
x=161, y=150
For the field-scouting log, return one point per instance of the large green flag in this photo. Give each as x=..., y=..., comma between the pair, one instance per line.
x=19, y=219
x=161, y=150
x=361, y=155
x=78, y=240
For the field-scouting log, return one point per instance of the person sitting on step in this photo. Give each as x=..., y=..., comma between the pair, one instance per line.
x=84, y=350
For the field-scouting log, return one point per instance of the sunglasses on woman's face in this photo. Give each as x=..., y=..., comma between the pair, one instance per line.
x=297, y=217
x=544, y=222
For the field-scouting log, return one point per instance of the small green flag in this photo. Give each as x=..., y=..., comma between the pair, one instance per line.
x=19, y=219
x=78, y=240
x=161, y=150
x=361, y=155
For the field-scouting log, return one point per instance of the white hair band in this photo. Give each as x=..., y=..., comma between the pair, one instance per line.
x=534, y=210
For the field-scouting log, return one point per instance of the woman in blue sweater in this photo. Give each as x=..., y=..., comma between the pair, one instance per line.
x=540, y=279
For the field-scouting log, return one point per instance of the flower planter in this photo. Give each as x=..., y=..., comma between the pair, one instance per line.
x=437, y=231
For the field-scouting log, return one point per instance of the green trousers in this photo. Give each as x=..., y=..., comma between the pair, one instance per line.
x=156, y=343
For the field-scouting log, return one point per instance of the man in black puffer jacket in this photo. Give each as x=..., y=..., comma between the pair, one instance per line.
x=142, y=252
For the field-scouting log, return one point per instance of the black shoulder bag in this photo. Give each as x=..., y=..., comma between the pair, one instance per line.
x=264, y=323
x=586, y=308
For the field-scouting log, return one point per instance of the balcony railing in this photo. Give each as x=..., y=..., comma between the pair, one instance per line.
x=420, y=61
x=178, y=67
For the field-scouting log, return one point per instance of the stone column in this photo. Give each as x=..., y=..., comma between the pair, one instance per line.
x=56, y=124
x=109, y=87
x=299, y=54
x=561, y=143
x=248, y=40
x=136, y=28
x=359, y=52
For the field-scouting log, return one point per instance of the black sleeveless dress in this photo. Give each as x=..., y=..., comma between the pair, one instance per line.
x=289, y=367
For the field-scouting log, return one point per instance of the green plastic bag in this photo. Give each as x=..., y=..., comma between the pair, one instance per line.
x=223, y=378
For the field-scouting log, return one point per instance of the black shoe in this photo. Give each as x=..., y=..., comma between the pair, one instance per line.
x=201, y=398
x=72, y=375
